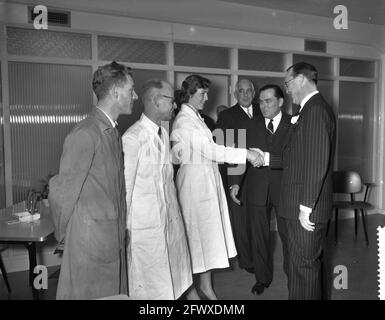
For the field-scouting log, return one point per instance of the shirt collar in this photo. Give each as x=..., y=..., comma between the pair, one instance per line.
x=307, y=98
x=149, y=124
x=190, y=110
x=245, y=109
x=113, y=123
x=276, y=120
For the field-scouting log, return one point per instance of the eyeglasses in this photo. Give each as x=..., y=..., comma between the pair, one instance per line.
x=287, y=82
x=172, y=98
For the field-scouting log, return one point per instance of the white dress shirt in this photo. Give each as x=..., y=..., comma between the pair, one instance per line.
x=276, y=121
x=248, y=110
x=304, y=100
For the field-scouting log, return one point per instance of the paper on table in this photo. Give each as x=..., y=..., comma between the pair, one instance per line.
x=21, y=214
x=30, y=218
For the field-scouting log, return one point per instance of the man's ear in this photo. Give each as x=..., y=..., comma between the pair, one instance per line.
x=114, y=92
x=280, y=102
x=155, y=100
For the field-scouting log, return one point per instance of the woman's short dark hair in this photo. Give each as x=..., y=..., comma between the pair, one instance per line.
x=190, y=85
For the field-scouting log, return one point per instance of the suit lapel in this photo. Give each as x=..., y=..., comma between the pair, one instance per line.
x=242, y=114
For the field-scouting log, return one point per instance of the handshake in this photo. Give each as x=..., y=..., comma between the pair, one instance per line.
x=256, y=157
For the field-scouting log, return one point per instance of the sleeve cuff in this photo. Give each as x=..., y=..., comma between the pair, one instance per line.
x=267, y=158
x=305, y=209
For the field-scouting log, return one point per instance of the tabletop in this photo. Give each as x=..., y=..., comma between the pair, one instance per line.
x=36, y=231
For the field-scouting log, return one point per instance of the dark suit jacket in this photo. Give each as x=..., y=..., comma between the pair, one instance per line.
x=234, y=118
x=308, y=162
x=210, y=123
x=259, y=182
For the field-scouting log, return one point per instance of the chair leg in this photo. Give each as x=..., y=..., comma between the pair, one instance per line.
x=4, y=272
x=364, y=225
x=336, y=226
x=355, y=222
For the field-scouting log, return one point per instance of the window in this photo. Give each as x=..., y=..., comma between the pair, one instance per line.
x=194, y=55
x=260, y=60
x=131, y=50
x=44, y=43
x=356, y=68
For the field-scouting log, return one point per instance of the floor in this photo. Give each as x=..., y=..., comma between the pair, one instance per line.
x=235, y=284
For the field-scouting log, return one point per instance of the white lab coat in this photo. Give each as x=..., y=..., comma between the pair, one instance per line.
x=159, y=262
x=200, y=191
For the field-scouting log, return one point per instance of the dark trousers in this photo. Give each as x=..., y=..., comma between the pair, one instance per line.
x=260, y=242
x=305, y=249
x=282, y=231
x=238, y=216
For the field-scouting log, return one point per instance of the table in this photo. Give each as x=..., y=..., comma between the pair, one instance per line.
x=27, y=234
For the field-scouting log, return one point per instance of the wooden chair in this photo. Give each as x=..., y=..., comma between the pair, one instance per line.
x=349, y=183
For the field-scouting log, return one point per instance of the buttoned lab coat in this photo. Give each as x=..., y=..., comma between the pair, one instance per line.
x=200, y=191
x=158, y=257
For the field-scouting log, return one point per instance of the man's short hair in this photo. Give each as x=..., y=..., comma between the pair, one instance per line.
x=278, y=93
x=109, y=75
x=306, y=69
x=148, y=86
x=240, y=80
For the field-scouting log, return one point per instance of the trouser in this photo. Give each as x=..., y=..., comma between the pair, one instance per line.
x=260, y=242
x=305, y=249
x=239, y=224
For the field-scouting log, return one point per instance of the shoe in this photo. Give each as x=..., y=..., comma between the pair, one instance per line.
x=258, y=288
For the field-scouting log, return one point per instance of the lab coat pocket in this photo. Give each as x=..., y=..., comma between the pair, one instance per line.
x=146, y=212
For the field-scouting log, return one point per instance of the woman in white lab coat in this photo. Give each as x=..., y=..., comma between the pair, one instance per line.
x=199, y=185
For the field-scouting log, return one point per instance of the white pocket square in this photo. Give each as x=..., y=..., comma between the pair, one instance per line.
x=294, y=120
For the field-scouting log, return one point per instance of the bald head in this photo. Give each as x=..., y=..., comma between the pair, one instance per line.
x=151, y=91
x=244, y=82
x=158, y=100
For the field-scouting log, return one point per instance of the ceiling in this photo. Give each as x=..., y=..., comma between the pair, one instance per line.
x=366, y=11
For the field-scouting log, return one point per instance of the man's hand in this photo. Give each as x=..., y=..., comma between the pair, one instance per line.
x=304, y=219
x=256, y=157
x=234, y=192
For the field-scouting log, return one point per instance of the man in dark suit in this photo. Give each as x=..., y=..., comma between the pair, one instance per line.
x=262, y=185
x=234, y=122
x=306, y=190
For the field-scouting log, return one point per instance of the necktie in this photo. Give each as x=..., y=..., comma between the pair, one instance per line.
x=270, y=126
x=160, y=133
x=249, y=112
x=296, y=108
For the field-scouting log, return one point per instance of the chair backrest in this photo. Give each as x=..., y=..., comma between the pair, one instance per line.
x=346, y=182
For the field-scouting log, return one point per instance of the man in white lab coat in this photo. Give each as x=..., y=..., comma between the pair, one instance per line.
x=158, y=257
